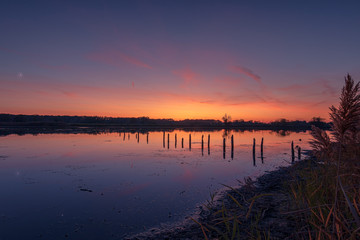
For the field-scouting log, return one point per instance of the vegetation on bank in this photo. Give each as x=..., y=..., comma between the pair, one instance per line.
x=314, y=199
x=328, y=196
x=11, y=120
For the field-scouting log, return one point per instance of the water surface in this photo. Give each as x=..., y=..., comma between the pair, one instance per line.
x=87, y=186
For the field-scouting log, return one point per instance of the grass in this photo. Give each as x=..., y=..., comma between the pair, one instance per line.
x=322, y=217
x=324, y=195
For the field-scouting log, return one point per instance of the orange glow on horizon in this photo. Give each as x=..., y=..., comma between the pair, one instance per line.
x=183, y=102
x=171, y=110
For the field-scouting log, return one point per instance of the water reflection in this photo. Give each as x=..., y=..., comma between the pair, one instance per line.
x=84, y=179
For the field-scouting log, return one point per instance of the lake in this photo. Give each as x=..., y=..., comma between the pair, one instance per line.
x=103, y=186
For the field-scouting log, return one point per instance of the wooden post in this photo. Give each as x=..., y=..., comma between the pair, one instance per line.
x=124, y=136
x=254, y=144
x=299, y=153
x=147, y=138
x=209, y=141
x=128, y=136
x=175, y=140
x=182, y=142
x=224, y=147
x=292, y=152
x=138, y=137
x=190, y=141
x=232, y=146
x=209, y=144
x=163, y=139
x=262, y=150
x=168, y=140
x=202, y=145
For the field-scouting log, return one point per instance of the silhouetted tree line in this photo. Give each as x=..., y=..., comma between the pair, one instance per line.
x=47, y=120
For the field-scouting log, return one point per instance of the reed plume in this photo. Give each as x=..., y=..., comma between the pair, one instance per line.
x=337, y=181
x=345, y=121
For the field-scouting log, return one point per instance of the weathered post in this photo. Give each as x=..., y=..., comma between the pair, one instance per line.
x=209, y=144
x=163, y=139
x=292, y=152
x=262, y=150
x=138, y=137
x=147, y=138
x=190, y=141
x=254, y=144
x=168, y=140
x=232, y=146
x=175, y=140
x=182, y=142
x=224, y=148
x=124, y=136
x=299, y=153
x=128, y=136
x=202, y=145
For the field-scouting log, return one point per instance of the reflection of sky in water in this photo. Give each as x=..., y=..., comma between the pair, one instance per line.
x=102, y=186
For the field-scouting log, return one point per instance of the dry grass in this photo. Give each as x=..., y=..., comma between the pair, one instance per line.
x=330, y=192
x=326, y=195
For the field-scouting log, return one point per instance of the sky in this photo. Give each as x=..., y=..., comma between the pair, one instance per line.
x=254, y=60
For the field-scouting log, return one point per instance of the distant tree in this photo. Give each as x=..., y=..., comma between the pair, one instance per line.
x=283, y=120
x=317, y=119
x=318, y=122
x=226, y=119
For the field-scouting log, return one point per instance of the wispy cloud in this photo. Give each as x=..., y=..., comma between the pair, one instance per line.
x=70, y=94
x=246, y=71
x=227, y=81
x=314, y=88
x=116, y=58
x=188, y=76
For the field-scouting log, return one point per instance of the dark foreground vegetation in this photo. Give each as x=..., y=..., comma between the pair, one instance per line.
x=11, y=120
x=318, y=198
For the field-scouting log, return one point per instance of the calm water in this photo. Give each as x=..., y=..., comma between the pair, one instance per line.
x=82, y=186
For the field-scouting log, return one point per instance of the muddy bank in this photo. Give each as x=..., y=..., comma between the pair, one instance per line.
x=260, y=208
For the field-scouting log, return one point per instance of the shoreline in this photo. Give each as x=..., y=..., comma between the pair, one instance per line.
x=34, y=130
x=267, y=214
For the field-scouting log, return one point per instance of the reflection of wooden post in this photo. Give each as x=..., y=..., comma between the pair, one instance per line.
x=128, y=136
x=202, y=145
x=292, y=152
x=163, y=139
x=182, y=142
x=254, y=160
x=175, y=140
x=209, y=144
x=124, y=136
x=168, y=140
x=232, y=146
x=262, y=150
x=190, y=142
x=299, y=153
x=147, y=138
x=224, y=148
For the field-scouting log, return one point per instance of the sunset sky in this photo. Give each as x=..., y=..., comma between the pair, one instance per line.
x=259, y=60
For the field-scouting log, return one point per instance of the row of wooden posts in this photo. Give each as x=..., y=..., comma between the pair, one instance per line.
x=224, y=146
